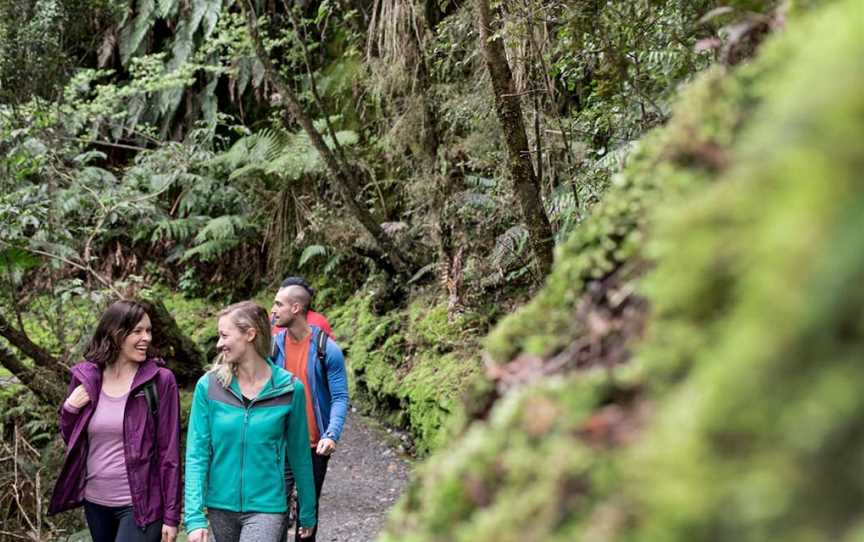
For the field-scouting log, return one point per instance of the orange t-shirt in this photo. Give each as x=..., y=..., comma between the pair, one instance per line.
x=297, y=362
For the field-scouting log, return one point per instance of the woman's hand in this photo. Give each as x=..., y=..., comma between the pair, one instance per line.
x=198, y=535
x=305, y=532
x=78, y=398
x=169, y=533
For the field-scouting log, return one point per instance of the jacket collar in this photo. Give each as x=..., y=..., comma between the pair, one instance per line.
x=90, y=374
x=280, y=383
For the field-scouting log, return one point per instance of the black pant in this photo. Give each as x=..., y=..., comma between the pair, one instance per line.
x=116, y=524
x=319, y=471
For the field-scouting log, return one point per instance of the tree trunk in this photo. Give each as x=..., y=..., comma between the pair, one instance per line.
x=519, y=156
x=179, y=351
x=347, y=183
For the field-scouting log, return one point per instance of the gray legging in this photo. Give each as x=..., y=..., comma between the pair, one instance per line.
x=230, y=526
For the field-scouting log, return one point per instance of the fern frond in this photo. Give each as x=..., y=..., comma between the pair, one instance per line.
x=310, y=252
x=133, y=32
x=210, y=250
x=179, y=229
x=222, y=228
x=509, y=246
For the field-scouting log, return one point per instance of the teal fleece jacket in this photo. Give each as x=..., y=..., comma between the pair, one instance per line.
x=235, y=455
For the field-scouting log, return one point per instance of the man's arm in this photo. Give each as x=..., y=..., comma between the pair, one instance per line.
x=338, y=383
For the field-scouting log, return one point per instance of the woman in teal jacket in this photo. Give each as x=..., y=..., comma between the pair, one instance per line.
x=246, y=414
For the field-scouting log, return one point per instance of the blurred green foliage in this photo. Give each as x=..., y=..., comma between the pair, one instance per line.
x=739, y=417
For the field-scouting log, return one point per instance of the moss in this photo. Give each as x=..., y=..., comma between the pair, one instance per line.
x=507, y=478
x=749, y=421
x=196, y=318
x=407, y=367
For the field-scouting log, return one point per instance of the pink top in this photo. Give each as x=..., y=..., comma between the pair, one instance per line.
x=107, y=482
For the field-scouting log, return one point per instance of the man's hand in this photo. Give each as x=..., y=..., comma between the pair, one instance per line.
x=198, y=535
x=169, y=533
x=326, y=446
x=78, y=398
x=305, y=532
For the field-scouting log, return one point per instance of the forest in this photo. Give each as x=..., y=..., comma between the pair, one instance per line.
x=599, y=261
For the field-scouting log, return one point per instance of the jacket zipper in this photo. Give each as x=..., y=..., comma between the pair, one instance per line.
x=243, y=452
x=246, y=410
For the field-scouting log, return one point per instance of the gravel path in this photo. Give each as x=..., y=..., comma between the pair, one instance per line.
x=365, y=477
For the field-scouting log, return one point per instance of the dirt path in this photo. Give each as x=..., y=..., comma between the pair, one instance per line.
x=365, y=478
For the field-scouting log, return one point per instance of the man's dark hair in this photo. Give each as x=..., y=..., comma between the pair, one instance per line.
x=298, y=281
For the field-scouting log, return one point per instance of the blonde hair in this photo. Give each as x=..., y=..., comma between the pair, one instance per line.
x=245, y=315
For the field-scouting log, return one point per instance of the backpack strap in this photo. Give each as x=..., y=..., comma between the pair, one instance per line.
x=152, y=397
x=321, y=350
x=321, y=345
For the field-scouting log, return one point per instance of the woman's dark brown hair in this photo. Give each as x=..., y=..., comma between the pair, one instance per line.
x=116, y=324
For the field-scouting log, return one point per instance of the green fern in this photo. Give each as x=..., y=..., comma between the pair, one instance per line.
x=223, y=228
x=168, y=8
x=210, y=250
x=509, y=247
x=132, y=34
x=287, y=156
x=180, y=229
x=310, y=252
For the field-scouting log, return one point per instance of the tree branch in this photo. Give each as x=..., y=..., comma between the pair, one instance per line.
x=20, y=340
x=43, y=386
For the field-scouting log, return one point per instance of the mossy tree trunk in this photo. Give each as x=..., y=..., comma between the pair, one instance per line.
x=181, y=354
x=43, y=382
x=44, y=377
x=509, y=112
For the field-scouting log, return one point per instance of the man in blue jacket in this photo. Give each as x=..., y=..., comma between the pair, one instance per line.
x=315, y=359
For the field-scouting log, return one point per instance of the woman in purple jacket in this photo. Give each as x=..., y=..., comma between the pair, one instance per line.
x=121, y=424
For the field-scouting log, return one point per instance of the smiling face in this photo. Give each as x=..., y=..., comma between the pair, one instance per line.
x=135, y=345
x=233, y=342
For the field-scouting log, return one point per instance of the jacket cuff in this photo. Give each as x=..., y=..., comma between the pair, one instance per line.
x=195, y=525
x=70, y=409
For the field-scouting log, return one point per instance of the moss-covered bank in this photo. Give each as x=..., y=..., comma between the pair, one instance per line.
x=408, y=367
x=740, y=415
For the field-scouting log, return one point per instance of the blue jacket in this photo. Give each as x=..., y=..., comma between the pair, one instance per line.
x=330, y=408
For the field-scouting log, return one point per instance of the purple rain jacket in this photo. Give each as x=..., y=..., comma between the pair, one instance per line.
x=152, y=453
